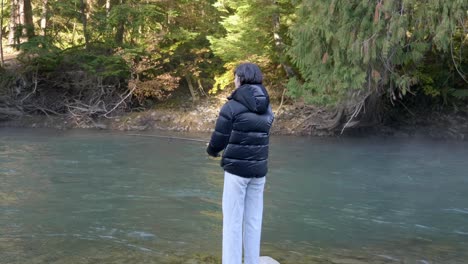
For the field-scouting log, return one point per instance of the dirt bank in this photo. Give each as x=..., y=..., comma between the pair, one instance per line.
x=290, y=119
x=199, y=117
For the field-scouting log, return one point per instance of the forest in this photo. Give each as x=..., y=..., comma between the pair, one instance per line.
x=359, y=59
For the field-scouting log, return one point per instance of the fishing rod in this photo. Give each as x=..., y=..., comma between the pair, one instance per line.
x=170, y=137
x=176, y=138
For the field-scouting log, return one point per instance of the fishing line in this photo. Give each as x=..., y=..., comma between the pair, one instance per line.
x=170, y=137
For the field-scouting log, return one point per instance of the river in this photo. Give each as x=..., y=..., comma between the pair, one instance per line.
x=84, y=196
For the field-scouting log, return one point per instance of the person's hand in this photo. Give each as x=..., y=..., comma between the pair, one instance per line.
x=214, y=158
x=217, y=157
x=211, y=155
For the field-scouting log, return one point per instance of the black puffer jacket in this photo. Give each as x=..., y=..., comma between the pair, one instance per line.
x=243, y=131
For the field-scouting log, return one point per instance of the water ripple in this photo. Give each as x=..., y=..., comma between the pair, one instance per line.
x=425, y=227
x=387, y=257
x=141, y=234
x=457, y=210
x=460, y=232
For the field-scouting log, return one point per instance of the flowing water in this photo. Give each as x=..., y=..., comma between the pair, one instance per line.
x=105, y=197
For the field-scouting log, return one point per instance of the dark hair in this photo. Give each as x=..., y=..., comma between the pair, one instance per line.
x=249, y=73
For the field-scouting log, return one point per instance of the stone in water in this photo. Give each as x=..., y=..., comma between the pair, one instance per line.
x=268, y=260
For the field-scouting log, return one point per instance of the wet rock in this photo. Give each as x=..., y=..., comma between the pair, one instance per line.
x=138, y=128
x=100, y=126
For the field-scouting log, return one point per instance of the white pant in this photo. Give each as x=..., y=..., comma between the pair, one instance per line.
x=242, y=211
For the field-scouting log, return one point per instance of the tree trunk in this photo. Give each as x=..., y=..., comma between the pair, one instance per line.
x=44, y=17
x=2, y=62
x=108, y=7
x=192, y=90
x=119, y=34
x=13, y=35
x=279, y=43
x=84, y=20
x=201, y=88
x=73, y=32
x=26, y=18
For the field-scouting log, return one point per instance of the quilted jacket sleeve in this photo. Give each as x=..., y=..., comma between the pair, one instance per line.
x=220, y=137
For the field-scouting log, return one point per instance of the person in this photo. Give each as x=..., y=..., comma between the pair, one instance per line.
x=242, y=131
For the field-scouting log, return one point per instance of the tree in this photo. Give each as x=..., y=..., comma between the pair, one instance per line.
x=255, y=31
x=186, y=46
x=84, y=21
x=44, y=14
x=359, y=51
x=26, y=18
x=2, y=62
x=21, y=22
x=119, y=34
x=13, y=35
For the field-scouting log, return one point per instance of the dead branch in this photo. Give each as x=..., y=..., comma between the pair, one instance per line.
x=34, y=90
x=282, y=100
x=121, y=101
x=357, y=110
x=460, y=72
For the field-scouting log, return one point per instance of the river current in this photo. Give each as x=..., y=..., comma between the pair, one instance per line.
x=85, y=196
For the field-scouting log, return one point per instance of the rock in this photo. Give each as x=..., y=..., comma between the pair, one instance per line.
x=347, y=261
x=138, y=128
x=268, y=260
x=100, y=126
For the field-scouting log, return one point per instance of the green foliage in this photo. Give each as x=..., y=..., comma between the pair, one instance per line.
x=7, y=78
x=338, y=47
x=185, y=50
x=249, y=34
x=39, y=52
x=460, y=93
x=345, y=46
x=64, y=23
x=225, y=79
x=148, y=41
x=40, y=55
x=98, y=64
x=139, y=19
x=441, y=74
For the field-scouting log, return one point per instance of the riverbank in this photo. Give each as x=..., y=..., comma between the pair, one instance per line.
x=290, y=119
x=297, y=119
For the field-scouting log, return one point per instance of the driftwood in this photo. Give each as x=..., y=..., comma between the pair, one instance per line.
x=282, y=101
x=73, y=94
x=10, y=112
